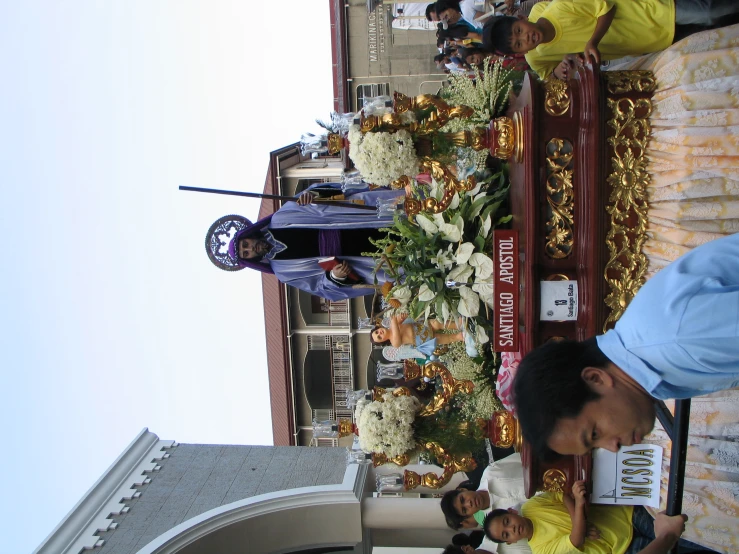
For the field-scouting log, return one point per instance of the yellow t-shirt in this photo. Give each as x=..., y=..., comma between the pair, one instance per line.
x=553, y=525
x=638, y=27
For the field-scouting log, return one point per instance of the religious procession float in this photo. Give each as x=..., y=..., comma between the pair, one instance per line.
x=513, y=247
x=500, y=236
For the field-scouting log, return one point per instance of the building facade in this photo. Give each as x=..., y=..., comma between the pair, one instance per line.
x=160, y=497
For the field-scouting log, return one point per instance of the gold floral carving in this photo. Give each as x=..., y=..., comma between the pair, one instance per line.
x=451, y=465
x=345, y=427
x=335, y=143
x=411, y=479
x=401, y=182
x=452, y=185
x=449, y=387
x=401, y=391
x=560, y=199
x=475, y=139
x=506, y=425
x=556, y=96
x=379, y=392
x=439, y=113
x=378, y=459
x=554, y=480
x=627, y=203
x=505, y=138
x=620, y=82
x=411, y=370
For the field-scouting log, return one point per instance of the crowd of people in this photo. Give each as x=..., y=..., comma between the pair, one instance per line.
x=548, y=37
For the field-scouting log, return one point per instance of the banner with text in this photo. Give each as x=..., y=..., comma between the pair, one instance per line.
x=505, y=261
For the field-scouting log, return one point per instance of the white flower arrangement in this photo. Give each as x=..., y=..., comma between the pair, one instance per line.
x=383, y=157
x=387, y=427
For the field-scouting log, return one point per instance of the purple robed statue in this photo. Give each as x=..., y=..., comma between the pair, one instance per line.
x=290, y=242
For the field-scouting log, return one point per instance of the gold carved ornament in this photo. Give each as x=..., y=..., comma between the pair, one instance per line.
x=335, y=143
x=346, y=427
x=411, y=370
x=411, y=479
x=449, y=387
x=627, y=203
x=451, y=464
x=452, y=185
x=556, y=96
x=553, y=480
x=476, y=138
x=560, y=199
x=620, y=82
x=378, y=459
x=439, y=112
x=503, y=430
x=504, y=138
x=379, y=392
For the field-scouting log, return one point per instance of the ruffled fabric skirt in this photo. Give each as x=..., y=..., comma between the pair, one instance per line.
x=694, y=198
x=694, y=150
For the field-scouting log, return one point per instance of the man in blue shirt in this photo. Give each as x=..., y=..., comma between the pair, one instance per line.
x=677, y=339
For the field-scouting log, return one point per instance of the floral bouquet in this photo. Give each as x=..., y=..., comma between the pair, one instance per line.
x=382, y=157
x=386, y=426
x=442, y=265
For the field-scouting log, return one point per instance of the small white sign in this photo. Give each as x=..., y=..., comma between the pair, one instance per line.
x=558, y=301
x=629, y=477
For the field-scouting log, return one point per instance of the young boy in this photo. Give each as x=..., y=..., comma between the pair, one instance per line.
x=599, y=29
x=554, y=523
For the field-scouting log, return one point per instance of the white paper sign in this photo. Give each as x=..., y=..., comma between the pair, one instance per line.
x=629, y=477
x=558, y=301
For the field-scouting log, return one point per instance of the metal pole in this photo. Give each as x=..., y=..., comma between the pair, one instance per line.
x=276, y=197
x=676, y=479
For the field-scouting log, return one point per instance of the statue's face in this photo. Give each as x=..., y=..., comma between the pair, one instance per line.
x=253, y=248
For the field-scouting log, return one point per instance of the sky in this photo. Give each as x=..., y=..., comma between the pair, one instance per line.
x=112, y=318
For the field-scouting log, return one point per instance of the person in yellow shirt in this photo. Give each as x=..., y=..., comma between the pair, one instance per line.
x=599, y=29
x=554, y=523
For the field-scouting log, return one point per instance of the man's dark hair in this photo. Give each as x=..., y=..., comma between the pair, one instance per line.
x=431, y=8
x=453, y=549
x=453, y=32
x=442, y=5
x=453, y=519
x=489, y=520
x=464, y=51
x=474, y=539
x=549, y=386
x=440, y=57
x=496, y=34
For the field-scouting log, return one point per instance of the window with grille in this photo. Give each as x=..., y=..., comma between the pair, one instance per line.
x=368, y=91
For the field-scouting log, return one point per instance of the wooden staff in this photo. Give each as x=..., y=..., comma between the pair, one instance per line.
x=350, y=204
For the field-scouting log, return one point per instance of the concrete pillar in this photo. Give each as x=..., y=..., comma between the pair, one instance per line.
x=402, y=513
